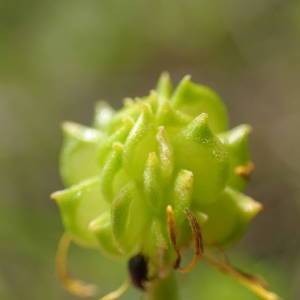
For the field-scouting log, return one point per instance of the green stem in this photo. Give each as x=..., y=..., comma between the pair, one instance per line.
x=163, y=289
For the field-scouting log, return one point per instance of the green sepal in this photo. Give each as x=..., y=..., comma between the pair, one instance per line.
x=183, y=191
x=158, y=172
x=236, y=142
x=228, y=218
x=139, y=143
x=165, y=153
x=201, y=217
x=159, y=230
x=156, y=237
x=119, y=212
x=152, y=184
x=79, y=205
x=130, y=110
x=102, y=229
x=166, y=115
x=78, y=154
x=110, y=169
x=157, y=248
x=198, y=150
x=129, y=218
x=194, y=99
x=119, y=136
x=182, y=200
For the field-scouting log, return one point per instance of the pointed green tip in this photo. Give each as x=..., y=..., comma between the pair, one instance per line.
x=238, y=133
x=69, y=127
x=80, y=132
x=128, y=122
x=201, y=119
x=55, y=195
x=62, y=196
x=187, y=78
x=128, y=102
x=202, y=217
x=98, y=223
x=198, y=129
x=164, y=86
x=181, y=89
x=165, y=113
x=164, y=77
x=146, y=108
x=248, y=206
x=103, y=114
x=103, y=107
x=75, y=190
x=146, y=115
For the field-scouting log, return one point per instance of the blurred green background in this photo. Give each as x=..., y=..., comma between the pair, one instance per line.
x=57, y=58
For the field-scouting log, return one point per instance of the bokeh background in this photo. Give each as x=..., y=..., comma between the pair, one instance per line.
x=58, y=57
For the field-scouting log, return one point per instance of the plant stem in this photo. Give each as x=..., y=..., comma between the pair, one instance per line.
x=163, y=289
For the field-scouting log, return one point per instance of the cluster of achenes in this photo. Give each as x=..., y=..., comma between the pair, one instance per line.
x=171, y=147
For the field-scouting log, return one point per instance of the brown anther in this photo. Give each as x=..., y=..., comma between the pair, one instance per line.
x=245, y=171
x=198, y=241
x=197, y=237
x=172, y=234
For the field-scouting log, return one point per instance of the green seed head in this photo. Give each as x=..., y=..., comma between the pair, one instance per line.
x=171, y=147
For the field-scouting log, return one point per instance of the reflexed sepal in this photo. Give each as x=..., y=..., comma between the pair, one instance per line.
x=102, y=229
x=110, y=169
x=139, y=143
x=236, y=142
x=79, y=205
x=129, y=217
x=199, y=150
x=119, y=136
x=78, y=157
x=228, y=217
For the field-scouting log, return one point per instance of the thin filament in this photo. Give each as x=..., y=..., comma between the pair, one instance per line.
x=253, y=283
x=198, y=243
x=74, y=286
x=172, y=234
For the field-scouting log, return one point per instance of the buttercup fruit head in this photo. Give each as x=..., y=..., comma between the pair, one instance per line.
x=172, y=147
